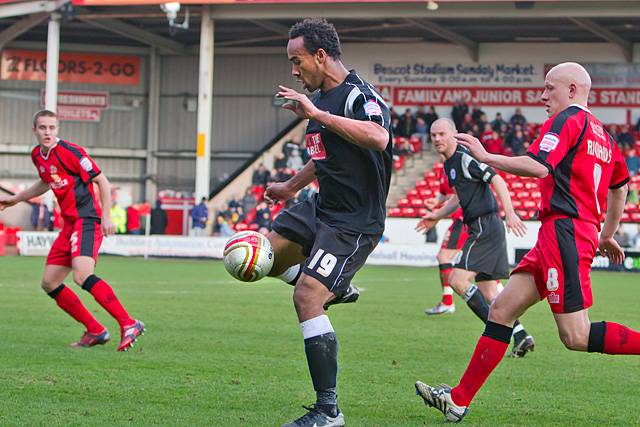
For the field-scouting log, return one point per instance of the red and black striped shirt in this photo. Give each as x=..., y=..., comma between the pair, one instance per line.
x=584, y=162
x=69, y=170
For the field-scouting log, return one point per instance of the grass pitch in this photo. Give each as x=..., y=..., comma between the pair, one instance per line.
x=222, y=353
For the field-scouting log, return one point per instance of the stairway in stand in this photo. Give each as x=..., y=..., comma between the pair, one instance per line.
x=406, y=178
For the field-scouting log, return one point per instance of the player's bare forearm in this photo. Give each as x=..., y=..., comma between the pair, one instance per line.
x=520, y=165
x=452, y=205
x=503, y=193
x=304, y=177
x=105, y=192
x=367, y=134
x=37, y=188
x=615, y=207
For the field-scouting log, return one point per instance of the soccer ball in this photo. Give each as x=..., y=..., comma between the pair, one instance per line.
x=248, y=256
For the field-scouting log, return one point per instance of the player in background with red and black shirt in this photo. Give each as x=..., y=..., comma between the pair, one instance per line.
x=69, y=172
x=581, y=171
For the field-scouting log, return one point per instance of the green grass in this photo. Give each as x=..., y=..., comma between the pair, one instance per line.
x=222, y=353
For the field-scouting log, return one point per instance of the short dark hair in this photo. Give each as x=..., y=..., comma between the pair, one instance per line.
x=317, y=34
x=43, y=113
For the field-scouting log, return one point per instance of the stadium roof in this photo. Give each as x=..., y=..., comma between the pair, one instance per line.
x=264, y=23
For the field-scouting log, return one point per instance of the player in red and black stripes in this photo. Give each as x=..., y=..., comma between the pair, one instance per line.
x=69, y=172
x=581, y=171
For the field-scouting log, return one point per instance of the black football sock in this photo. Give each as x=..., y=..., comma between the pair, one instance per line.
x=474, y=299
x=322, y=358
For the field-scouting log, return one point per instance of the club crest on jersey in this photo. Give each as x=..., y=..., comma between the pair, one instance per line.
x=85, y=163
x=371, y=108
x=452, y=174
x=549, y=142
x=53, y=170
x=41, y=169
x=315, y=146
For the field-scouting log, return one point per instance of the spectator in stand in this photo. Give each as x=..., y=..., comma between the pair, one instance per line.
x=458, y=113
x=498, y=123
x=476, y=116
x=306, y=193
x=294, y=161
x=422, y=132
x=395, y=126
x=159, y=219
x=199, y=216
x=622, y=237
x=133, y=220
x=118, y=218
x=632, y=161
x=467, y=123
x=518, y=119
x=495, y=144
x=625, y=138
x=288, y=147
x=420, y=113
x=402, y=148
x=249, y=201
x=40, y=216
x=486, y=135
x=638, y=125
x=263, y=216
x=407, y=124
x=260, y=176
x=518, y=142
x=431, y=117
x=283, y=174
x=280, y=162
x=222, y=228
x=393, y=114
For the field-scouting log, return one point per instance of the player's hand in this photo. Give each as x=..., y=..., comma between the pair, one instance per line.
x=7, y=202
x=427, y=223
x=515, y=225
x=431, y=203
x=611, y=249
x=277, y=192
x=107, y=226
x=303, y=107
x=474, y=146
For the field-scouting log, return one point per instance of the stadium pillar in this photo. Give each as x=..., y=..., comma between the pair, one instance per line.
x=153, y=115
x=205, y=105
x=53, y=54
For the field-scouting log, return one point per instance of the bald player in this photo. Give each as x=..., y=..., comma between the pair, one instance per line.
x=583, y=178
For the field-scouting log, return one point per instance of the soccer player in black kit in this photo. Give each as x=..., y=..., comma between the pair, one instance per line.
x=484, y=255
x=321, y=243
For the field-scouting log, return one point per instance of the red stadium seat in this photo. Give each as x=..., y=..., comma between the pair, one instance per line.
x=635, y=217
x=413, y=193
x=438, y=167
x=625, y=217
x=517, y=204
x=404, y=203
x=425, y=193
x=421, y=184
x=422, y=212
x=529, y=204
x=416, y=203
x=416, y=143
x=394, y=211
x=254, y=226
x=530, y=185
x=408, y=212
x=523, y=195
x=241, y=226
x=516, y=185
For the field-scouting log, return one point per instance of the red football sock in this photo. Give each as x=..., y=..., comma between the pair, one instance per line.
x=488, y=353
x=104, y=295
x=69, y=302
x=618, y=339
x=447, y=291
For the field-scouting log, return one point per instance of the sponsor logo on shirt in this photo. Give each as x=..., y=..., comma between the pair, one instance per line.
x=315, y=146
x=85, y=163
x=553, y=298
x=599, y=151
x=549, y=142
x=597, y=129
x=372, y=108
x=56, y=182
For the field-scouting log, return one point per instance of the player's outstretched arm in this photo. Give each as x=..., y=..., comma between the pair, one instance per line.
x=608, y=246
x=283, y=191
x=38, y=188
x=512, y=220
x=105, y=200
x=520, y=165
x=364, y=134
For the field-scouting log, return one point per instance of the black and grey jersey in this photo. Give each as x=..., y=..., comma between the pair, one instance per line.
x=353, y=181
x=471, y=180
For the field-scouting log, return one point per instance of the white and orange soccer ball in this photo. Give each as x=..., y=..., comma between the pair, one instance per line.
x=248, y=256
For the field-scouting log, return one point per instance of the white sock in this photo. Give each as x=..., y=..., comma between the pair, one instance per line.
x=290, y=273
x=317, y=326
